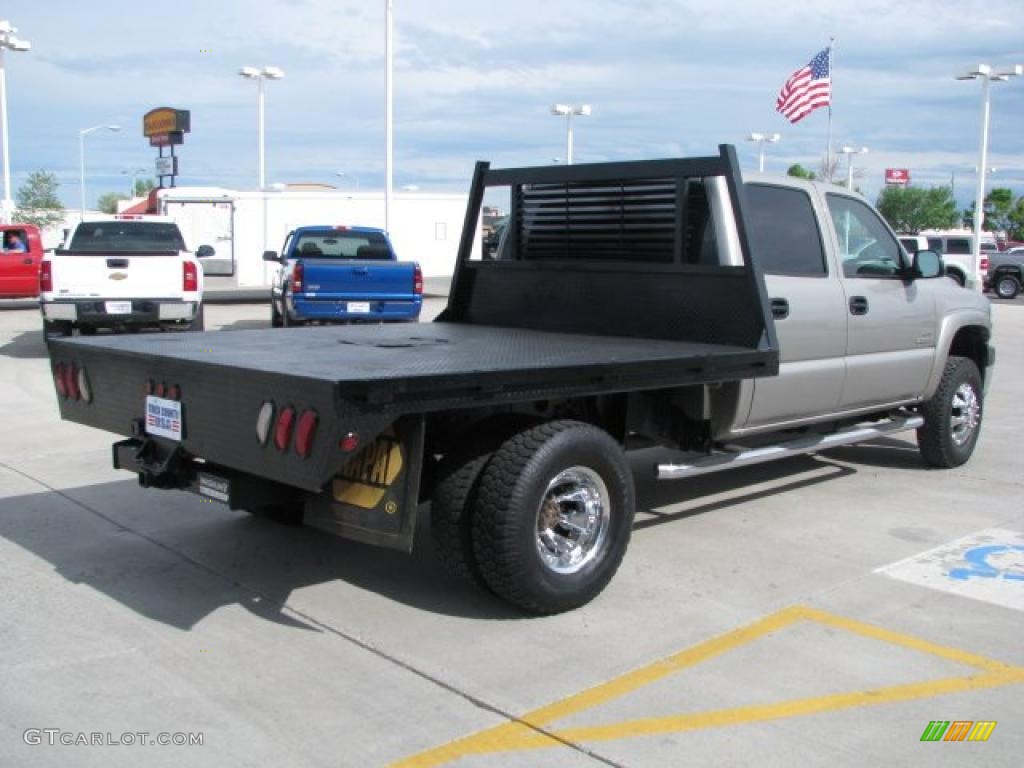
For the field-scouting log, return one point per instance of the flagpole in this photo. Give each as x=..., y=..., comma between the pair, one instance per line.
x=831, y=92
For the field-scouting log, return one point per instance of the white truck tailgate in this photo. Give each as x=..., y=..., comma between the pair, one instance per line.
x=117, y=276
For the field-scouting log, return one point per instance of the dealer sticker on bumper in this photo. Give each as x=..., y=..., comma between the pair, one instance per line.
x=163, y=417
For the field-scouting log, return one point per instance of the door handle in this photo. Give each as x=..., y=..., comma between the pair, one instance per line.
x=858, y=305
x=780, y=309
x=361, y=270
x=26, y=261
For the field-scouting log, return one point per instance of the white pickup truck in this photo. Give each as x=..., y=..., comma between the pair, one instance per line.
x=123, y=273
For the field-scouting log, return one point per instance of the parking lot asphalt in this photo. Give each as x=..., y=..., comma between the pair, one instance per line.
x=822, y=610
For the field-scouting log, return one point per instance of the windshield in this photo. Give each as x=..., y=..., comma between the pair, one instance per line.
x=126, y=236
x=342, y=245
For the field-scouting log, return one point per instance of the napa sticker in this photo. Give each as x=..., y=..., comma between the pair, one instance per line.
x=366, y=479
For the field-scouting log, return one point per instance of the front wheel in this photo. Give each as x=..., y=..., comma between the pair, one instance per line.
x=554, y=515
x=952, y=417
x=1007, y=286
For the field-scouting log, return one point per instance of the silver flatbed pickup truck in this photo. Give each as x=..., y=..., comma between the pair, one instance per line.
x=673, y=302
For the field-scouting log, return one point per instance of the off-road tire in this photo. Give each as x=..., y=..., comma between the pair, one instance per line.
x=275, y=316
x=455, y=481
x=505, y=523
x=936, y=438
x=199, y=321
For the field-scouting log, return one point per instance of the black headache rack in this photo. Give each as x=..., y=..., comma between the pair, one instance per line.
x=609, y=287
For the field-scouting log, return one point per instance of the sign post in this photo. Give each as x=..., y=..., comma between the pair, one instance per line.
x=166, y=127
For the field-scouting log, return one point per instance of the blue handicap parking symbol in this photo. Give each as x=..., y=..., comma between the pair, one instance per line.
x=979, y=565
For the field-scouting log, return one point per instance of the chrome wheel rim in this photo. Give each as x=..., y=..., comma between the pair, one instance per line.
x=966, y=413
x=573, y=520
x=1006, y=287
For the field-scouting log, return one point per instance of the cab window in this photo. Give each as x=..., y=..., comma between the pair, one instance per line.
x=866, y=247
x=784, y=232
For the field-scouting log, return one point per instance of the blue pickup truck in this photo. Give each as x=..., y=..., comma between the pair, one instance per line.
x=334, y=274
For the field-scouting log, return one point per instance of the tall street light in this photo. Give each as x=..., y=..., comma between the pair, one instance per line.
x=762, y=139
x=850, y=152
x=986, y=74
x=81, y=161
x=259, y=75
x=567, y=111
x=8, y=42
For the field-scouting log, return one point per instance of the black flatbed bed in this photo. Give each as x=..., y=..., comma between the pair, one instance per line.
x=438, y=361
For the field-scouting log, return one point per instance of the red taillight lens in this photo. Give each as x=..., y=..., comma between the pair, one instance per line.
x=417, y=280
x=59, y=380
x=305, y=431
x=71, y=382
x=297, y=275
x=160, y=389
x=984, y=264
x=173, y=392
x=190, y=276
x=45, y=277
x=349, y=442
x=283, y=431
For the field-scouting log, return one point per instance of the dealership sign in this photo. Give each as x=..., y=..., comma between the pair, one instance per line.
x=897, y=177
x=166, y=127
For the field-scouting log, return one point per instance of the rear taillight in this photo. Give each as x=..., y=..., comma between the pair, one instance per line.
x=417, y=280
x=305, y=431
x=984, y=264
x=84, y=388
x=190, y=276
x=59, y=380
x=297, y=275
x=45, y=277
x=283, y=431
x=71, y=382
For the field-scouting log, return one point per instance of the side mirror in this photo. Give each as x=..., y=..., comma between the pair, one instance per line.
x=270, y=256
x=927, y=264
x=205, y=252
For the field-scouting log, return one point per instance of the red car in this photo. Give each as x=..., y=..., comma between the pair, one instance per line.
x=21, y=252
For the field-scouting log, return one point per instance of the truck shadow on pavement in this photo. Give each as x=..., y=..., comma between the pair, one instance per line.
x=175, y=558
x=27, y=345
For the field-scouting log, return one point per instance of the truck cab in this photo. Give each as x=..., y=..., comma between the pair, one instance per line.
x=20, y=256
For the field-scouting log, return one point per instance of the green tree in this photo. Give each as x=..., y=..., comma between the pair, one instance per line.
x=912, y=209
x=38, y=202
x=800, y=172
x=999, y=203
x=1015, y=220
x=143, y=187
x=107, y=203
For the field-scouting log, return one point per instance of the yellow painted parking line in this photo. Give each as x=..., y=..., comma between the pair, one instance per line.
x=530, y=731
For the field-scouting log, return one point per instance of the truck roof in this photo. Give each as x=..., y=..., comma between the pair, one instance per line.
x=338, y=228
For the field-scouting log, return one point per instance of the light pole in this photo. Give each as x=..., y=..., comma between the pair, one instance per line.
x=259, y=75
x=346, y=175
x=135, y=175
x=389, y=111
x=81, y=161
x=567, y=111
x=850, y=152
x=8, y=42
x=986, y=74
x=761, y=139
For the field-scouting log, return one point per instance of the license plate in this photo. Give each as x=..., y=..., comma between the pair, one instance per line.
x=359, y=307
x=163, y=417
x=118, y=307
x=214, y=487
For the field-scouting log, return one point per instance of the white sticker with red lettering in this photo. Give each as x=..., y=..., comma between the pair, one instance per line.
x=163, y=417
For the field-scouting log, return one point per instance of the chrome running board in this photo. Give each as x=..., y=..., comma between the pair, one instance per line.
x=716, y=462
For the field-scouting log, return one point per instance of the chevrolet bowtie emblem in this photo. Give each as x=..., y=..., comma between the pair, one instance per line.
x=118, y=275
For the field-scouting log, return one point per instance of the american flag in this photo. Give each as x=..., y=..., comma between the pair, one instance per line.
x=807, y=89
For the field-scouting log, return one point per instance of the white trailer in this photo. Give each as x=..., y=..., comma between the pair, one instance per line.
x=240, y=225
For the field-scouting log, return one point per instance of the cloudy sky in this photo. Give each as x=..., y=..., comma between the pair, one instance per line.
x=475, y=81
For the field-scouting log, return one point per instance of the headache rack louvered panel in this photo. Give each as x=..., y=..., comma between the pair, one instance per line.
x=620, y=220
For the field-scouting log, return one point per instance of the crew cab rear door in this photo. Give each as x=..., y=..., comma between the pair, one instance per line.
x=808, y=305
x=891, y=321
